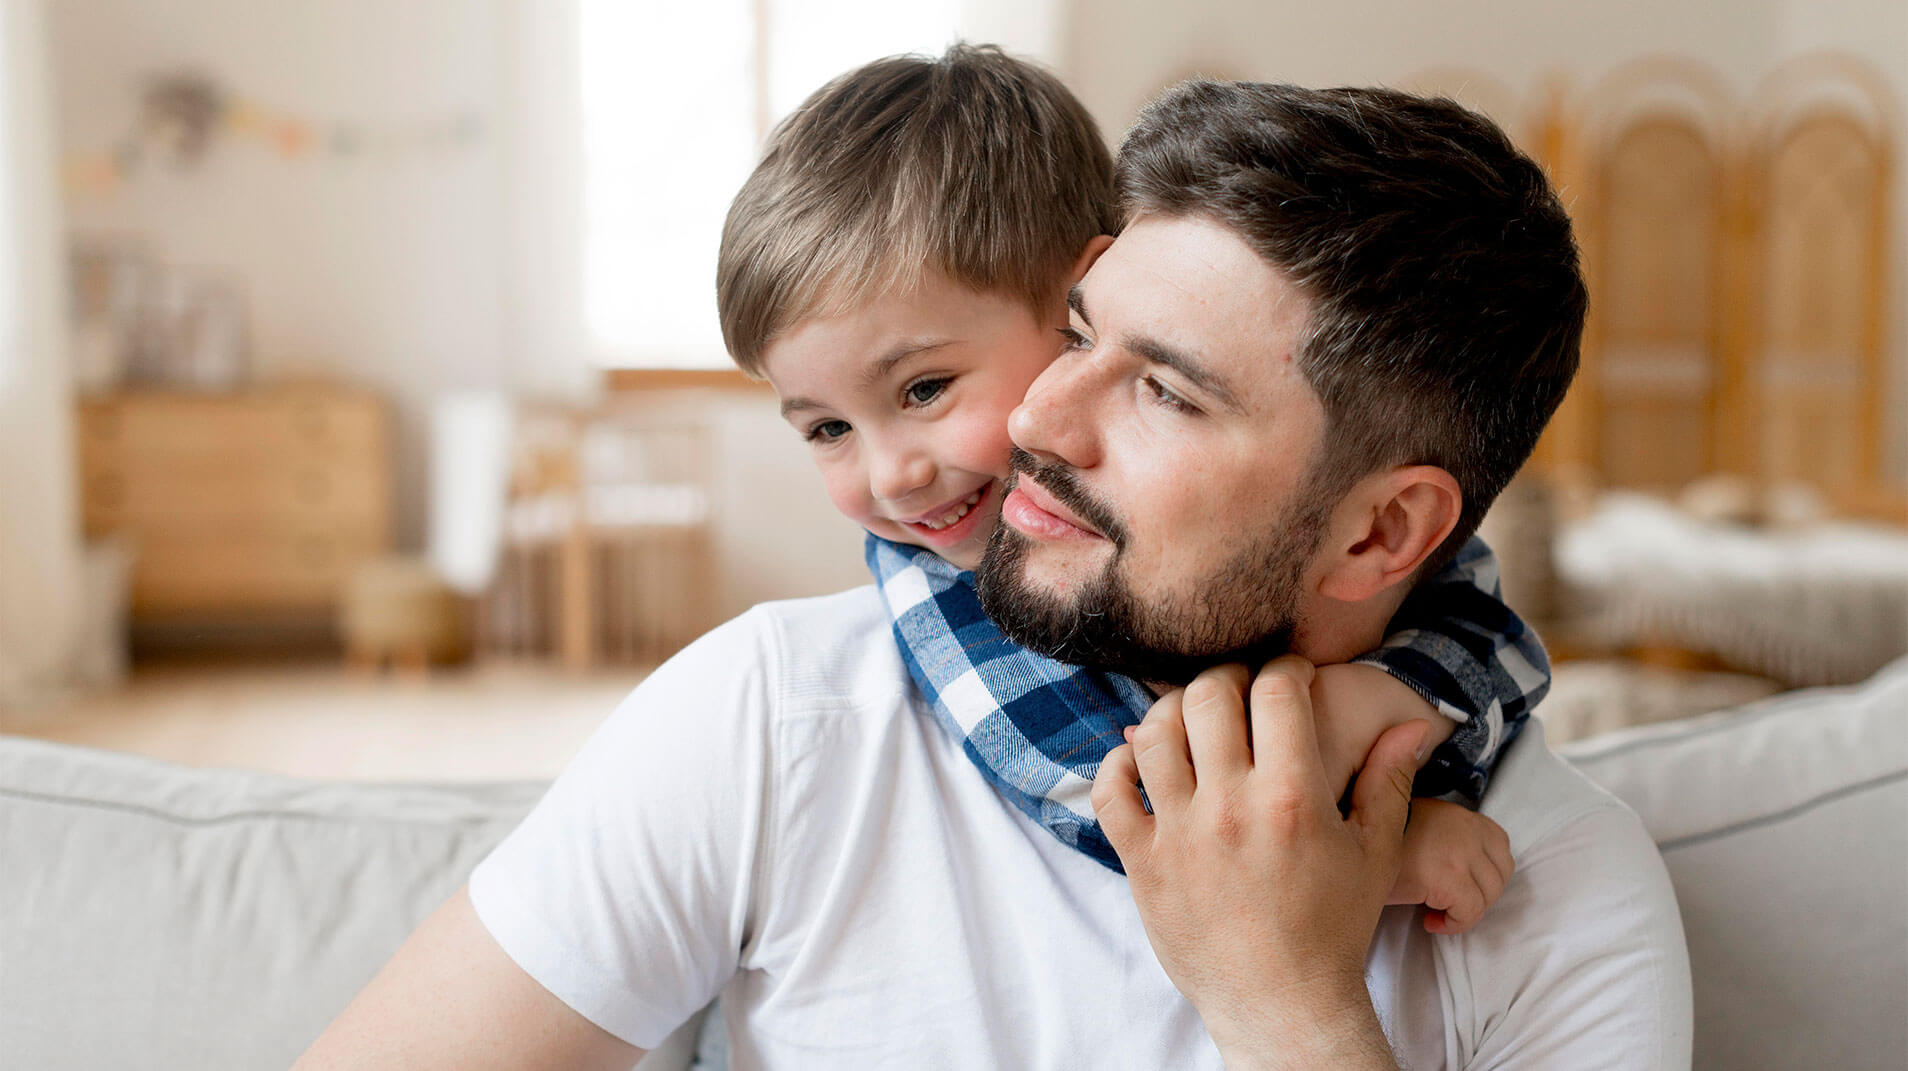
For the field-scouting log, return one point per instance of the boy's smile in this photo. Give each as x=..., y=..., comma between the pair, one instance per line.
x=904, y=401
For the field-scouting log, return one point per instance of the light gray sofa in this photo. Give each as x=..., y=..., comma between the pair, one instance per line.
x=157, y=916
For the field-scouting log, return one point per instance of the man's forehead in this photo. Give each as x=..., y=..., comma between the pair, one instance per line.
x=1193, y=283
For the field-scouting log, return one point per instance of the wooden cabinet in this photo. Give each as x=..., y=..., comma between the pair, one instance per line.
x=260, y=501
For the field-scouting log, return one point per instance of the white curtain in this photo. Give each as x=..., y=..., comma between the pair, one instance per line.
x=41, y=597
x=670, y=110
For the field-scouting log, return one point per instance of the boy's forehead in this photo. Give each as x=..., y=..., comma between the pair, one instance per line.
x=869, y=338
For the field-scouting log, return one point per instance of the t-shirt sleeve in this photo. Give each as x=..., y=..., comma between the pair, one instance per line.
x=628, y=891
x=1608, y=985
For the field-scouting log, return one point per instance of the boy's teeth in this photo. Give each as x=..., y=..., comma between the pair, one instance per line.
x=953, y=515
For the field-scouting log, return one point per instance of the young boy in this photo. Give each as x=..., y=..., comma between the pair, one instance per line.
x=897, y=267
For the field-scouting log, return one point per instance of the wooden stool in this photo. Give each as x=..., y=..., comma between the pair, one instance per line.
x=398, y=609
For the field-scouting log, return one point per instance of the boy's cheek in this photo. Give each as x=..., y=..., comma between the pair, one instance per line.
x=848, y=495
x=985, y=441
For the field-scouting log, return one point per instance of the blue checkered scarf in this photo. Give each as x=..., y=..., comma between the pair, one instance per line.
x=1037, y=729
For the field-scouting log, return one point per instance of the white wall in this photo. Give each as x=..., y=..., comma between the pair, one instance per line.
x=442, y=271
x=386, y=271
x=1119, y=53
x=40, y=589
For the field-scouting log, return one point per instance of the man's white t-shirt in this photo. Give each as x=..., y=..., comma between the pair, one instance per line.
x=774, y=816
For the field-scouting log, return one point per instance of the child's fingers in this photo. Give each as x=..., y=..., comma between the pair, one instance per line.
x=1497, y=848
x=1465, y=908
x=1489, y=882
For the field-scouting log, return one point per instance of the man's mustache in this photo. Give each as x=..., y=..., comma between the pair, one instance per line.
x=1060, y=482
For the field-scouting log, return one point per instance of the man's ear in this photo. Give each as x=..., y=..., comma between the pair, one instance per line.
x=1088, y=254
x=1387, y=526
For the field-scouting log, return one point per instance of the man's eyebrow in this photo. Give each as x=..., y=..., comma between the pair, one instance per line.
x=1160, y=353
x=1076, y=300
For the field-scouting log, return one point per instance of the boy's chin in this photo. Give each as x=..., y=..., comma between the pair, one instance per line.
x=966, y=554
x=964, y=562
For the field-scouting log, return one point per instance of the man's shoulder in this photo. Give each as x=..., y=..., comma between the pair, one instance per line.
x=827, y=651
x=855, y=610
x=1537, y=797
x=825, y=643
x=1589, y=922
x=1574, y=842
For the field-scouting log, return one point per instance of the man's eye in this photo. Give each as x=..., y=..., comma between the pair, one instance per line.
x=827, y=431
x=921, y=392
x=1074, y=340
x=1164, y=395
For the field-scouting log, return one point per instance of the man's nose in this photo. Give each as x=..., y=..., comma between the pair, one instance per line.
x=897, y=470
x=1060, y=418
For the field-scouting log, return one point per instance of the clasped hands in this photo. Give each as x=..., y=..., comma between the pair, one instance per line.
x=1259, y=898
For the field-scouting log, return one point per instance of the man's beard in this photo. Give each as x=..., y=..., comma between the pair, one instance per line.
x=1244, y=610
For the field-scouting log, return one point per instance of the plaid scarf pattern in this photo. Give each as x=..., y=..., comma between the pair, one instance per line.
x=1037, y=729
x=1457, y=644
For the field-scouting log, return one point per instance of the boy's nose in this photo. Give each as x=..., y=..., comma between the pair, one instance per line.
x=1057, y=420
x=896, y=474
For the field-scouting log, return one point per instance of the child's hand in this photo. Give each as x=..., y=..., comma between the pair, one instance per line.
x=1456, y=863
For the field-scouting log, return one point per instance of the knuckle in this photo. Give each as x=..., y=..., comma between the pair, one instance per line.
x=1228, y=824
x=1279, y=682
x=1400, y=781
x=1289, y=674
x=1208, y=691
x=1287, y=811
x=1149, y=735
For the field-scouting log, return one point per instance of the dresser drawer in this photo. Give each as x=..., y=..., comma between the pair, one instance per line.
x=247, y=502
x=289, y=570
x=144, y=496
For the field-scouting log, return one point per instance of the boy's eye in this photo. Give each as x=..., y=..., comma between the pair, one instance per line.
x=923, y=391
x=1074, y=340
x=827, y=431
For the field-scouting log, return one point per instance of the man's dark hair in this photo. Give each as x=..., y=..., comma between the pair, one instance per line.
x=1446, y=302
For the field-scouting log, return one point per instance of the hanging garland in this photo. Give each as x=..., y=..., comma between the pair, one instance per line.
x=181, y=116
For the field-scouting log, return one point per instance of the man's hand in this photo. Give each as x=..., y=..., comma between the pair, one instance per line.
x=1258, y=897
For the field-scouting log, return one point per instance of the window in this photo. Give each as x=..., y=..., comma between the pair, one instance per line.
x=676, y=99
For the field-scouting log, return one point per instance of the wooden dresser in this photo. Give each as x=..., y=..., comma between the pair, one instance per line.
x=244, y=504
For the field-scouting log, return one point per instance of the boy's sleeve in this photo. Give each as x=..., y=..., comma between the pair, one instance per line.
x=1455, y=642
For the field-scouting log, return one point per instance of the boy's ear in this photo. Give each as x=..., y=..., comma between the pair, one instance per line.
x=1090, y=253
x=1386, y=527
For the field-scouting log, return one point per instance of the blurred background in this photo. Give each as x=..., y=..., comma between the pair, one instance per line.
x=363, y=414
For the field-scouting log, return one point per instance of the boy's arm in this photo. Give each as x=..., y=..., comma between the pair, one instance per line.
x=452, y=998
x=1353, y=704
x=1455, y=861
x=1456, y=643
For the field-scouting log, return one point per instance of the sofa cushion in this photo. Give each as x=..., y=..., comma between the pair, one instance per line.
x=154, y=915
x=1785, y=828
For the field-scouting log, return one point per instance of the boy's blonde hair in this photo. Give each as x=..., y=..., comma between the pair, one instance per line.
x=977, y=165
